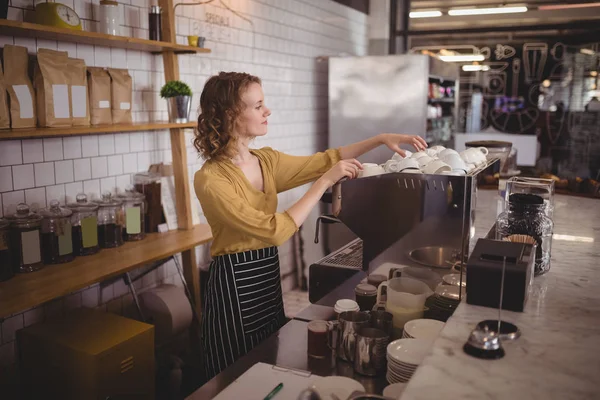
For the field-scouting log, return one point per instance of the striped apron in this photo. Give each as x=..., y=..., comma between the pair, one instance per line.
x=243, y=305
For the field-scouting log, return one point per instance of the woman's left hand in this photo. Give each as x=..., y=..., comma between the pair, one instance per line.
x=393, y=140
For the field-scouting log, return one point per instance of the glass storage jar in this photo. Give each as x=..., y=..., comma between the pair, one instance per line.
x=526, y=215
x=6, y=262
x=110, y=221
x=26, y=239
x=135, y=210
x=148, y=184
x=57, y=242
x=84, y=222
x=109, y=19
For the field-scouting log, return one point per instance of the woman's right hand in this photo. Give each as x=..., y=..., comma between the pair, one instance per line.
x=345, y=168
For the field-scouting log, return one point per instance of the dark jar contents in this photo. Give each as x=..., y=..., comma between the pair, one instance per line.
x=84, y=226
x=148, y=184
x=25, y=240
x=134, y=204
x=366, y=296
x=57, y=242
x=526, y=215
x=110, y=222
x=6, y=262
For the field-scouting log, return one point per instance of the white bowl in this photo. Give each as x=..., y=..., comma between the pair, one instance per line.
x=395, y=390
x=409, y=351
x=426, y=329
x=339, y=386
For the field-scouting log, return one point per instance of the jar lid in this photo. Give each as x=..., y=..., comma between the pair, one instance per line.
x=4, y=223
x=24, y=216
x=82, y=204
x=108, y=200
x=346, y=305
x=55, y=211
x=108, y=3
x=146, y=177
x=376, y=279
x=131, y=194
x=365, y=289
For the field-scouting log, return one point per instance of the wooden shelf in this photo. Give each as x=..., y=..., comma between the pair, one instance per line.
x=26, y=29
x=28, y=290
x=90, y=130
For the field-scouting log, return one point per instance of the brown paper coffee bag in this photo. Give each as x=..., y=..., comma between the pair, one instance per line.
x=99, y=96
x=4, y=113
x=122, y=93
x=20, y=90
x=51, y=83
x=78, y=92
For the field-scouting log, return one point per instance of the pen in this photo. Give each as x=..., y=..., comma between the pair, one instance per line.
x=274, y=392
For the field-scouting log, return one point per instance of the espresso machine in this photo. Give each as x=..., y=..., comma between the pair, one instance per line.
x=403, y=219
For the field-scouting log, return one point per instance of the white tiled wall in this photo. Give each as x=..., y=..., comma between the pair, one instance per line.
x=281, y=47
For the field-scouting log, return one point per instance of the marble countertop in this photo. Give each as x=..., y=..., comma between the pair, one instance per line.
x=558, y=354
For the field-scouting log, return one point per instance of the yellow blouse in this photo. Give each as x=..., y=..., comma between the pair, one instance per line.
x=240, y=216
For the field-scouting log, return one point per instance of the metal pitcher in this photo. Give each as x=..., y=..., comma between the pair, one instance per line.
x=346, y=328
x=371, y=350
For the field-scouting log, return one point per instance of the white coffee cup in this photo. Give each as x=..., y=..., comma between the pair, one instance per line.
x=446, y=152
x=474, y=155
x=431, y=152
x=398, y=157
x=455, y=161
x=370, y=169
x=408, y=163
x=437, y=149
x=418, y=155
x=436, y=167
x=423, y=161
x=391, y=166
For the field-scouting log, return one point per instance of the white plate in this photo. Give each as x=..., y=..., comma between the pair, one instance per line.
x=409, y=351
x=427, y=329
x=340, y=386
x=394, y=390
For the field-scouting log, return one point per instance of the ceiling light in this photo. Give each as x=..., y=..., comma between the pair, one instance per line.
x=425, y=14
x=472, y=68
x=567, y=6
x=462, y=58
x=594, y=73
x=482, y=11
x=546, y=83
x=587, y=51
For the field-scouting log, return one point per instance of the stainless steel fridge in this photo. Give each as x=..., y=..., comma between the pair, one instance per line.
x=375, y=94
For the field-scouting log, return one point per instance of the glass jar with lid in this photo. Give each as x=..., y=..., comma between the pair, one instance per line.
x=148, y=184
x=84, y=222
x=135, y=209
x=6, y=262
x=26, y=239
x=526, y=219
x=110, y=221
x=57, y=242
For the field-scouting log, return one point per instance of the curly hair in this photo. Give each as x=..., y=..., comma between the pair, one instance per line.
x=220, y=106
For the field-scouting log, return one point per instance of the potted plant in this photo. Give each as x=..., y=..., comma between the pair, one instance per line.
x=179, y=100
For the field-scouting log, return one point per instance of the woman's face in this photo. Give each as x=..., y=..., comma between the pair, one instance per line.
x=253, y=120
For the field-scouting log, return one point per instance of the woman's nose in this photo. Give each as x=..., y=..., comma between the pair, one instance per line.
x=267, y=112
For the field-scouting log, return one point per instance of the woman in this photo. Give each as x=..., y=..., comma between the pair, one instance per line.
x=237, y=188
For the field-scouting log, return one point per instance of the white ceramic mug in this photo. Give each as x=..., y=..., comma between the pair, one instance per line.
x=370, y=169
x=474, y=155
x=437, y=149
x=391, y=166
x=431, y=152
x=418, y=155
x=423, y=161
x=408, y=163
x=455, y=161
x=436, y=167
x=446, y=152
x=398, y=157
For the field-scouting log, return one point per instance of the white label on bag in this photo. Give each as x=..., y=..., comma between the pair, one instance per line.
x=104, y=104
x=25, y=101
x=125, y=105
x=60, y=97
x=79, y=101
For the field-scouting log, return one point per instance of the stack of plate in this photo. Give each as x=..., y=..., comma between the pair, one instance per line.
x=442, y=304
x=426, y=329
x=404, y=356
